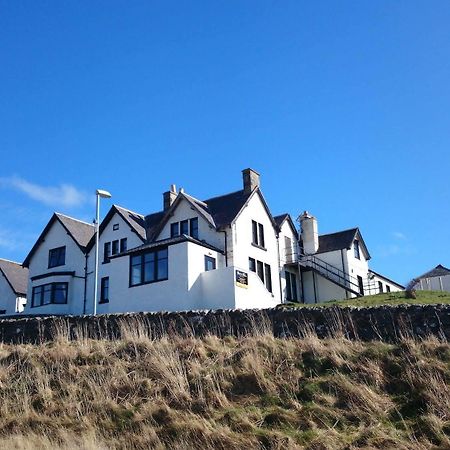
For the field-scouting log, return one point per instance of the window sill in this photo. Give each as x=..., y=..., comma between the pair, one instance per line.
x=103, y=302
x=48, y=304
x=147, y=282
x=106, y=262
x=259, y=246
x=57, y=265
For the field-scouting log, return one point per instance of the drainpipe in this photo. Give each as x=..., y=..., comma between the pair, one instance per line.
x=226, y=247
x=85, y=282
x=279, y=269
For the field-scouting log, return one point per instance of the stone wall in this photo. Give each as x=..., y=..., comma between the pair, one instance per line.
x=387, y=323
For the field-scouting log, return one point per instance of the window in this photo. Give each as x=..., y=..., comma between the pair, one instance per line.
x=115, y=227
x=123, y=245
x=115, y=247
x=149, y=267
x=184, y=227
x=388, y=288
x=361, y=285
x=268, y=276
x=194, y=227
x=210, y=263
x=263, y=270
x=291, y=287
x=258, y=234
x=260, y=270
x=104, y=290
x=51, y=293
x=356, y=249
x=106, y=252
x=56, y=257
x=380, y=287
x=174, y=229
x=254, y=232
x=189, y=227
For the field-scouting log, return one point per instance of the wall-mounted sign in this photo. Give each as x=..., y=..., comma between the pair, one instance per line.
x=241, y=279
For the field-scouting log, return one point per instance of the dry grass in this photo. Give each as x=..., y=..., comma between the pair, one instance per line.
x=232, y=393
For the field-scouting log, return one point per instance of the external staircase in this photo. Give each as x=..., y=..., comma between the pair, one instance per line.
x=330, y=273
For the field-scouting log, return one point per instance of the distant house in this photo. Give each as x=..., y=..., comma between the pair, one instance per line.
x=227, y=251
x=437, y=279
x=13, y=287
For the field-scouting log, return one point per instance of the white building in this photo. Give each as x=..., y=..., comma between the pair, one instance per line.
x=223, y=252
x=13, y=287
x=437, y=279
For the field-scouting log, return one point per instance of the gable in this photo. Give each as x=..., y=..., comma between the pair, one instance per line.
x=79, y=232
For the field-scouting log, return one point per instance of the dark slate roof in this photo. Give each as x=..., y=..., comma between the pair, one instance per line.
x=225, y=208
x=135, y=220
x=151, y=223
x=340, y=240
x=167, y=242
x=438, y=271
x=16, y=275
x=280, y=219
x=81, y=232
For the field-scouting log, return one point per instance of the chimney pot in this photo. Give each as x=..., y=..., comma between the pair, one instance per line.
x=251, y=180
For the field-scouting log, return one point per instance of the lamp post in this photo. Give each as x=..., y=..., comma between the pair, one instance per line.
x=103, y=194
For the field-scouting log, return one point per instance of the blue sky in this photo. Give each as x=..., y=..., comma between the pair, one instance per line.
x=342, y=106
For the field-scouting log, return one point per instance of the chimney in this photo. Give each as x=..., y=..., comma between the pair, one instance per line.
x=169, y=197
x=251, y=180
x=309, y=233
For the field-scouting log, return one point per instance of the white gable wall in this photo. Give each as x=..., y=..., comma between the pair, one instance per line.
x=104, y=270
x=243, y=249
x=9, y=301
x=288, y=255
x=206, y=232
x=57, y=236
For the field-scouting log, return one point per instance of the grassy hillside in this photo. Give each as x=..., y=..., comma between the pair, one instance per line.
x=393, y=298
x=211, y=393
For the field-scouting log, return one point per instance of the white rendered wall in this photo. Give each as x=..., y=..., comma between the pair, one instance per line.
x=288, y=255
x=357, y=266
x=57, y=236
x=7, y=296
x=207, y=233
x=242, y=242
x=104, y=269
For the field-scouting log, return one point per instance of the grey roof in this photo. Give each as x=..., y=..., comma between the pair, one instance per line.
x=135, y=220
x=387, y=279
x=81, y=232
x=16, y=275
x=151, y=223
x=438, y=271
x=280, y=219
x=224, y=209
x=167, y=242
x=340, y=240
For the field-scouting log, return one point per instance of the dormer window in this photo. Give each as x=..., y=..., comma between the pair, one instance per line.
x=56, y=257
x=188, y=227
x=356, y=249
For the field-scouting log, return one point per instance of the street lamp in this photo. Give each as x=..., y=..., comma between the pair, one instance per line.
x=103, y=194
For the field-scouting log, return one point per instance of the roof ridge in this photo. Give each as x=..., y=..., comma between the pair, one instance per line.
x=129, y=210
x=342, y=231
x=223, y=195
x=194, y=198
x=13, y=262
x=73, y=218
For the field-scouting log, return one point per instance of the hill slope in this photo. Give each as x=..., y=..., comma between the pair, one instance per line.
x=211, y=393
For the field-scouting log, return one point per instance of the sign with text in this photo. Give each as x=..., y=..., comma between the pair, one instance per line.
x=241, y=279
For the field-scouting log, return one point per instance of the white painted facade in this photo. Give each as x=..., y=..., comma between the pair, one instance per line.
x=10, y=302
x=71, y=272
x=258, y=261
